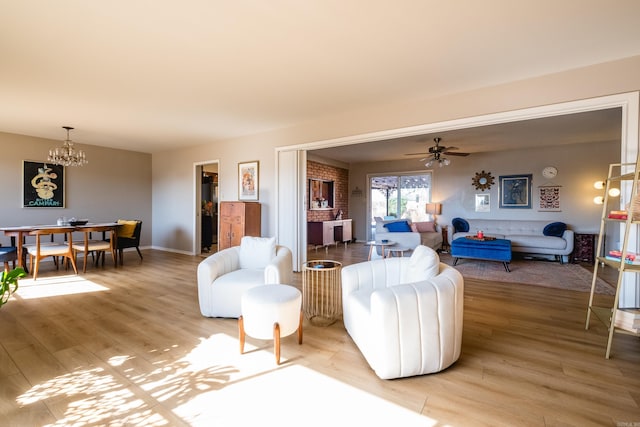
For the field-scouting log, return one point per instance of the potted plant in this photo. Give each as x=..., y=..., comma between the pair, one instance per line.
x=9, y=283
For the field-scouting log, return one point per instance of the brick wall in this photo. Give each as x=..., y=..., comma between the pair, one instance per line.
x=340, y=178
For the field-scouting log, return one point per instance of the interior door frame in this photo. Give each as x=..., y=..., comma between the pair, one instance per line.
x=197, y=208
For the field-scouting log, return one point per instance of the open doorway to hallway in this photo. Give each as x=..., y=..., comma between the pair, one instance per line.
x=207, y=210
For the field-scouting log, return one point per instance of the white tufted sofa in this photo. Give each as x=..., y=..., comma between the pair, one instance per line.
x=404, y=314
x=224, y=276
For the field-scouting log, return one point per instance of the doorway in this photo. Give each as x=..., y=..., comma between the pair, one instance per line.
x=291, y=221
x=207, y=208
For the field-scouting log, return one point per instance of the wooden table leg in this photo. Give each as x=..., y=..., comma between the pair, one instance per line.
x=276, y=341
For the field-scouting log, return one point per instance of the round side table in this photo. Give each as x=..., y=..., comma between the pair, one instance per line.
x=321, y=291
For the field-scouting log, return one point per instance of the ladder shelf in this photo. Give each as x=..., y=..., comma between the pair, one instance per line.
x=607, y=315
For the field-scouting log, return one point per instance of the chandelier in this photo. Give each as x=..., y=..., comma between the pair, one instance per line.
x=67, y=155
x=442, y=161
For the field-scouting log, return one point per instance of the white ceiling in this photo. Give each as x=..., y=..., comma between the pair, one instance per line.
x=152, y=75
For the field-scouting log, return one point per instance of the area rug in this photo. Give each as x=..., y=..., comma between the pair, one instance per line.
x=531, y=272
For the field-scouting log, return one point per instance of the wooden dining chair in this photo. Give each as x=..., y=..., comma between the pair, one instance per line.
x=43, y=247
x=99, y=247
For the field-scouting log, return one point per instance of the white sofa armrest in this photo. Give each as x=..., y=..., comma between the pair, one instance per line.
x=217, y=264
x=569, y=236
x=212, y=267
x=280, y=270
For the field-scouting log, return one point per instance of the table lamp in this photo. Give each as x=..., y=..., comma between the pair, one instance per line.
x=434, y=209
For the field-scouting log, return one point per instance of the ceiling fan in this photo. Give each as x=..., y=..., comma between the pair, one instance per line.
x=437, y=153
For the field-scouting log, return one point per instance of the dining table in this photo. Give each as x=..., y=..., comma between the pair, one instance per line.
x=19, y=232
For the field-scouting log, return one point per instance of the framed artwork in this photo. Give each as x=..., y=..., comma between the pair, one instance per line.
x=515, y=191
x=248, y=180
x=42, y=185
x=550, y=198
x=483, y=203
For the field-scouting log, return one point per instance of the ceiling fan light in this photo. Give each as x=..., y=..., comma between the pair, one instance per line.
x=446, y=162
x=429, y=163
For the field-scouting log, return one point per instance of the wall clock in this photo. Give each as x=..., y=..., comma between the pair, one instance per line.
x=549, y=172
x=483, y=180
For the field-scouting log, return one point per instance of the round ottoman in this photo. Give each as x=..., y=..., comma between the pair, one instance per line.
x=270, y=311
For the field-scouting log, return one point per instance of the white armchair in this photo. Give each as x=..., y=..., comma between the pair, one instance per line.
x=224, y=276
x=404, y=314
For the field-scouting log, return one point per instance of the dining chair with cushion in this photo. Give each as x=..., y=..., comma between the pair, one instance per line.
x=46, y=247
x=99, y=247
x=128, y=236
x=8, y=254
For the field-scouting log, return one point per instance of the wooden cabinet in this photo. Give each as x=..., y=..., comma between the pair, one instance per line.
x=327, y=233
x=238, y=219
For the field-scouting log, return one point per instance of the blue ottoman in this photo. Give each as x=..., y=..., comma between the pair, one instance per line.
x=492, y=250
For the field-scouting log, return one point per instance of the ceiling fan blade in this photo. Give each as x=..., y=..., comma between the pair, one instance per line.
x=455, y=153
x=449, y=148
x=415, y=154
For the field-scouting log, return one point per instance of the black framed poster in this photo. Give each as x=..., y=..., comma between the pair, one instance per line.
x=42, y=185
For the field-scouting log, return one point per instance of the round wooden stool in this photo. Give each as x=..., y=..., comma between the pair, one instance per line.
x=270, y=312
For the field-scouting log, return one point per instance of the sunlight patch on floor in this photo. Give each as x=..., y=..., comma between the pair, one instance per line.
x=256, y=391
x=213, y=384
x=91, y=397
x=45, y=287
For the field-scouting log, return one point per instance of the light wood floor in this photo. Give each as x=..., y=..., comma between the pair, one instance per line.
x=129, y=347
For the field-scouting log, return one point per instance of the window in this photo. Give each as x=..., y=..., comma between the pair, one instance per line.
x=400, y=196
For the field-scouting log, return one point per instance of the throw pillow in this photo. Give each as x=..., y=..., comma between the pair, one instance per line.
x=425, y=227
x=460, y=224
x=398, y=226
x=127, y=228
x=423, y=264
x=555, y=229
x=257, y=252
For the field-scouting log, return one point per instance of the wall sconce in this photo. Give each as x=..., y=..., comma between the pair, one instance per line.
x=600, y=185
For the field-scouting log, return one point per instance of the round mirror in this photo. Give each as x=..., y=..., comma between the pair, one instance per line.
x=482, y=181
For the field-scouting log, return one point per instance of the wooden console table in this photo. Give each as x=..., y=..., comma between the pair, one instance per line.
x=325, y=233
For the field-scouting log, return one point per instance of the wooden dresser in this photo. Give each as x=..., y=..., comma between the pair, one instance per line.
x=238, y=219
